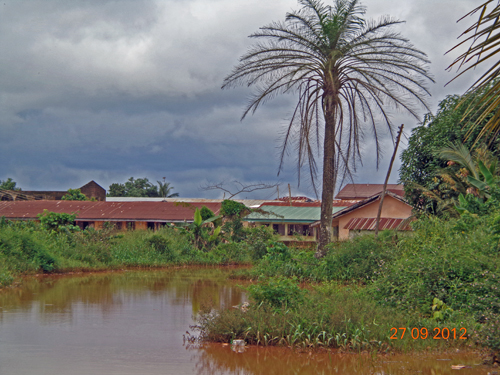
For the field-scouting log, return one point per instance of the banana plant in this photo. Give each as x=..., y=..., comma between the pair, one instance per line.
x=201, y=236
x=488, y=178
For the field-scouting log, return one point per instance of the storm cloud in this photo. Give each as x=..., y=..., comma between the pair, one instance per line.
x=106, y=90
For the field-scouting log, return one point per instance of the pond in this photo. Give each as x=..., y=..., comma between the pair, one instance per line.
x=134, y=322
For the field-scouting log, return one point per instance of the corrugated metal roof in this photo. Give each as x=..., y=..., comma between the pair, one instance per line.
x=336, y=203
x=345, y=210
x=294, y=204
x=367, y=201
x=246, y=202
x=107, y=211
x=299, y=214
x=362, y=191
x=360, y=223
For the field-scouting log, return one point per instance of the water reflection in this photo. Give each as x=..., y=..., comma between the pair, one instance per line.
x=134, y=322
x=112, y=323
x=217, y=359
x=51, y=295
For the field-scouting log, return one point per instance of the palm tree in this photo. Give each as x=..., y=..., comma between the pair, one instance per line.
x=484, y=37
x=164, y=189
x=345, y=71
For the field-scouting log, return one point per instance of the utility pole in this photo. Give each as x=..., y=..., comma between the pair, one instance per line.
x=382, y=196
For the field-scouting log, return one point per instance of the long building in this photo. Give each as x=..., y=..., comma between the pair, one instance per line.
x=131, y=215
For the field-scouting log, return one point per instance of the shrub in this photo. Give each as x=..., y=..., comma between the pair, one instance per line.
x=359, y=259
x=206, y=213
x=276, y=292
x=58, y=222
x=22, y=251
x=456, y=261
x=232, y=208
x=257, y=241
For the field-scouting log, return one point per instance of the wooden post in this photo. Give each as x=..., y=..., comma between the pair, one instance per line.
x=289, y=194
x=382, y=196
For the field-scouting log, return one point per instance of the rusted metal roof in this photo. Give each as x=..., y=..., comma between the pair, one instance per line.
x=362, y=191
x=359, y=204
x=367, y=201
x=108, y=211
x=360, y=223
x=246, y=202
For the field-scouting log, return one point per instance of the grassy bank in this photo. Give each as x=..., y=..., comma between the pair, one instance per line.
x=440, y=280
x=330, y=316
x=443, y=277
x=29, y=248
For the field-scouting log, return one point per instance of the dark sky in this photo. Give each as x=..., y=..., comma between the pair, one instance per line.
x=105, y=90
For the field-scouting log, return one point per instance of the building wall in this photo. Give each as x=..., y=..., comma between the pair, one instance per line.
x=93, y=190
x=41, y=195
x=392, y=208
x=285, y=231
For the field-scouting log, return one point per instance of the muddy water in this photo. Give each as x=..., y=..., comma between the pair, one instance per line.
x=134, y=322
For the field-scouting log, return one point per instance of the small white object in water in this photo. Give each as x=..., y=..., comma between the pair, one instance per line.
x=238, y=346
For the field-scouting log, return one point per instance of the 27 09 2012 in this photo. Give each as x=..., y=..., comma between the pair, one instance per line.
x=423, y=333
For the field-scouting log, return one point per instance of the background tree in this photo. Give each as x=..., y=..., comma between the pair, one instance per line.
x=9, y=184
x=164, y=189
x=238, y=188
x=421, y=163
x=345, y=71
x=74, y=195
x=133, y=188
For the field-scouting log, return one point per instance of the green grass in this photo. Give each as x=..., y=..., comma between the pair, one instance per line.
x=29, y=248
x=443, y=275
x=328, y=315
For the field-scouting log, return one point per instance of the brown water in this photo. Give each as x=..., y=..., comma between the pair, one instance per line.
x=134, y=322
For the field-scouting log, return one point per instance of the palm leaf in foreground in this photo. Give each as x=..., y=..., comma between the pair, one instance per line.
x=484, y=39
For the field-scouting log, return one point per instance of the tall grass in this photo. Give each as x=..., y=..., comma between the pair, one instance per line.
x=28, y=248
x=444, y=274
x=328, y=315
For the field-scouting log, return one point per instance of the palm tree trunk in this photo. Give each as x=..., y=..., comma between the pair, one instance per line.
x=329, y=180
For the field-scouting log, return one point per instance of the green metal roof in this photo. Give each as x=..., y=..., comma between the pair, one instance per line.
x=287, y=214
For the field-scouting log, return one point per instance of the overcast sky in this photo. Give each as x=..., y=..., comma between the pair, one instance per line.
x=105, y=90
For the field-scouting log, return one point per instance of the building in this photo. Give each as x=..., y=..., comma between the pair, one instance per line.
x=363, y=191
x=361, y=217
x=124, y=215
x=91, y=190
x=292, y=222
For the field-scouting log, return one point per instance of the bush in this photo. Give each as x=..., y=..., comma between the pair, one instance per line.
x=230, y=208
x=23, y=251
x=206, y=213
x=231, y=253
x=360, y=259
x=58, y=222
x=276, y=292
x=456, y=261
x=160, y=244
x=257, y=241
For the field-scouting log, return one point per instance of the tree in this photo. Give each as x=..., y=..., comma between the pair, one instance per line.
x=9, y=184
x=345, y=71
x=133, y=188
x=164, y=189
x=483, y=37
x=421, y=163
x=238, y=187
x=74, y=195
x=58, y=222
